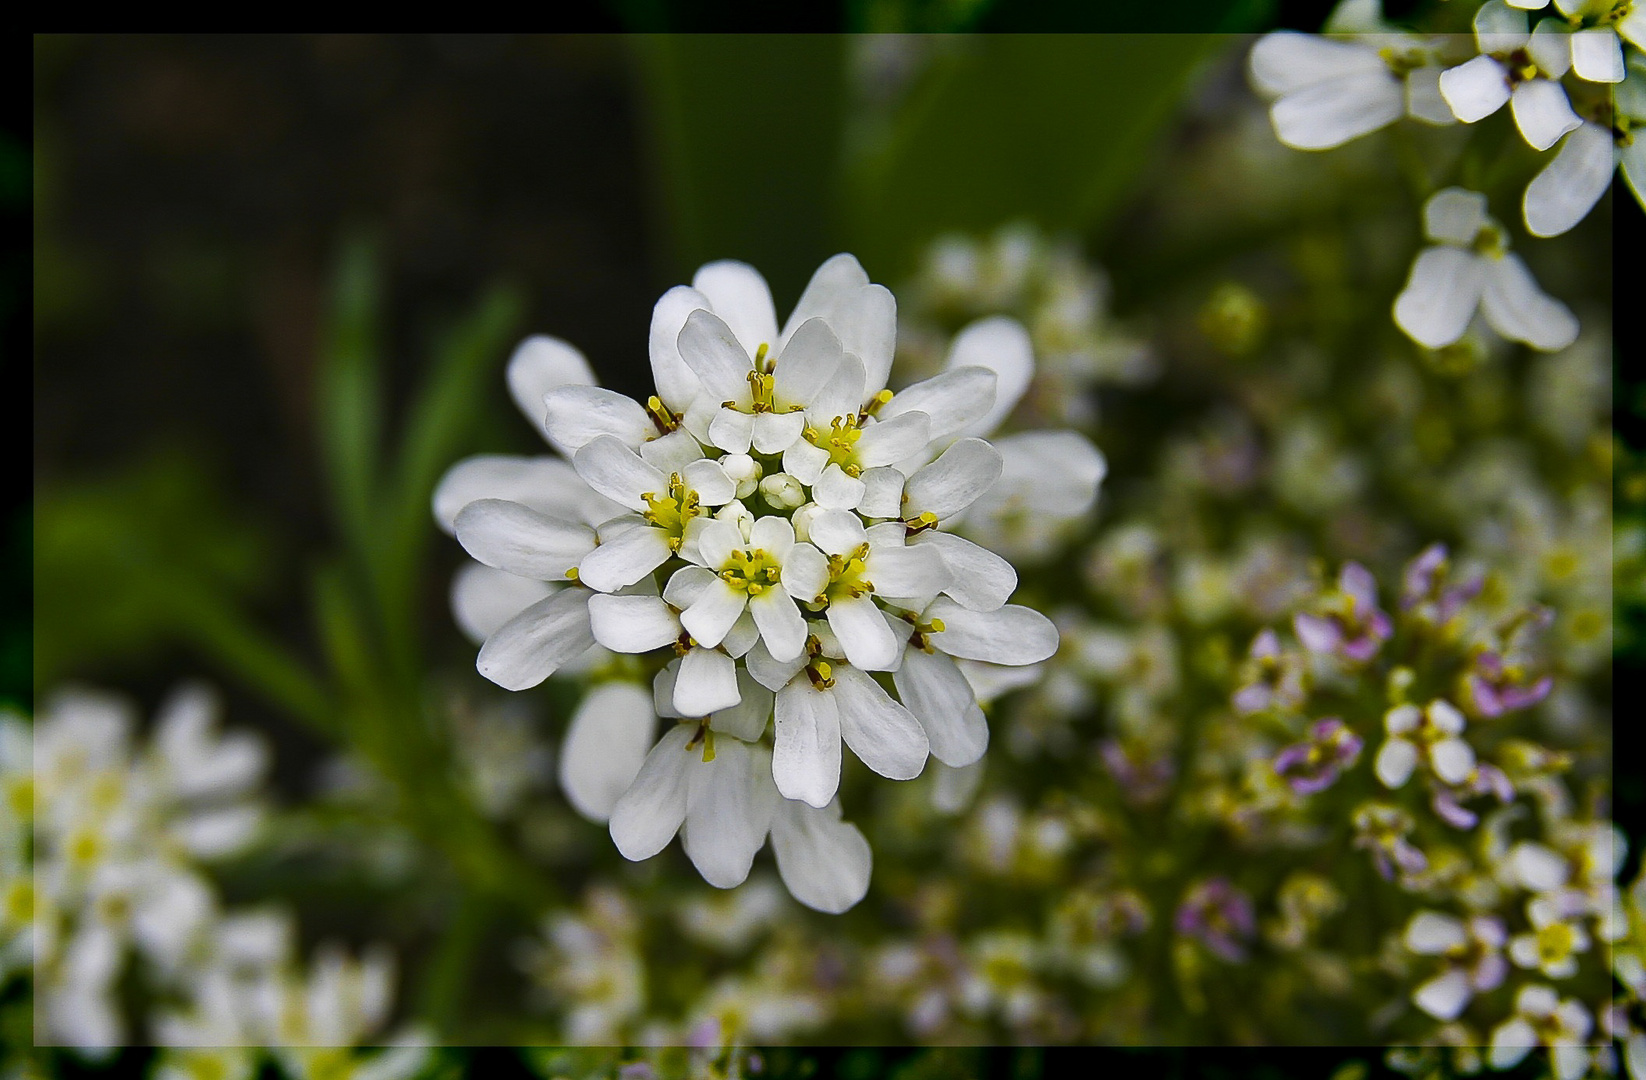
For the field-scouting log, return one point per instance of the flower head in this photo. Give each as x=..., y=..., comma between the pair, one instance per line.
x=1314, y=765
x=1347, y=621
x=764, y=533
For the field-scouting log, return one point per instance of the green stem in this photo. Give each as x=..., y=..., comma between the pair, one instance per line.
x=448, y=971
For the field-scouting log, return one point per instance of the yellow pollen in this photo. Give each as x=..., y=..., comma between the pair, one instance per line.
x=662, y=418
x=874, y=405
x=673, y=511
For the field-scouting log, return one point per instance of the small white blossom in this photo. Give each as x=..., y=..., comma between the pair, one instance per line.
x=1569, y=186
x=1432, y=735
x=1542, y=1018
x=1470, y=266
x=1473, y=952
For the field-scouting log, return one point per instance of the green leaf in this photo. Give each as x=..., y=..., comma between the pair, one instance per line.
x=1043, y=128
x=351, y=395
x=746, y=135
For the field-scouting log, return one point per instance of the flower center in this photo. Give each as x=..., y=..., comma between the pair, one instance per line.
x=840, y=441
x=1555, y=943
x=672, y=511
x=752, y=571
x=846, y=575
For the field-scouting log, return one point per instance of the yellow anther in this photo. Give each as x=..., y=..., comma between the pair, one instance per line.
x=760, y=357
x=875, y=404
x=820, y=674
x=937, y=626
x=662, y=418
x=571, y=574
x=920, y=523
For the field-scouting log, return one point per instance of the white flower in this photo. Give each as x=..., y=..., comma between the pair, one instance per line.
x=773, y=518
x=1470, y=266
x=1518, y=67
x=1596, y=27
x=1329, y=91
x=1555, y=938
x=1474, y=960
x=1432, y=734
x=1569, y=186
x=1541, y=1018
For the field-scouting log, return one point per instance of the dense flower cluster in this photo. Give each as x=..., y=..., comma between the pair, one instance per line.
x=768, y=532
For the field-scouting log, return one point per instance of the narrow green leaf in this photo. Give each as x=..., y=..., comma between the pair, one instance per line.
x=351, y=395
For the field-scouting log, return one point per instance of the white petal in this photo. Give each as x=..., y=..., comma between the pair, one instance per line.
x=739, y=295
x=893, y=440
x=1001, y=345
x=772, y=674
x=806, y=748
x=716, y=540
x=1476, y=89
x=717, y=358
x=773, y=535
x=545, y=484
x=1551, y=47
x=808, y=361
x=934, y=690
x=706, y=683
x=1569, y=186
x=732, y=431
x=1499, y=28
x=862, y=316
x=882, y=493
x=1440, y=296
x=747, y=719
x=540, y=364
x=573, y=415
x=1632, y=27
x=675, y=383
x=1455, y=215
x=863, y=633
x=650, y=812
x=1632, y=160
x=605, y=746
x=1395, y=762
x=774, y=433
x=805, y=462
x=709, y=480
x=907, y=572
x=1011, y=635
x=955, y=788
x=1452, y=759
x=1287, y=60
x=729, y=809
x=954, y=481
x=1051, y=475
x=483, y=599
x=835, y=490
x=1511, y=1041
x=1515, y=307
x=520, y=541
x=781, y=627
x=1328, y=114
x=883, y=734
x=1597, y=55
x=841, y=396
x=952, y=400
x=632, y=624
x=805, y=573
x=741, y=637
x=838, y=532
x=673, y=452
x=529, y=647
x=1432, y=934
x=981, y=580
x=1424, y=101
x=663, y=691
x=1542, y=112
x=1402, y=718
x=1444, y=996
x=618, y=473
x=712, y=614
x=687, y=584
x=825, y=862
x=625, y=559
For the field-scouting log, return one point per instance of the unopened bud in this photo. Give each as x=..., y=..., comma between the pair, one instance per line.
x=782, y=491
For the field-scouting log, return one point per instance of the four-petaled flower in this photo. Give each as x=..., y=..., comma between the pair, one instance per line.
x=1347, y=622
x=1432, y=734
x=1314, y=765
x=1473, y=954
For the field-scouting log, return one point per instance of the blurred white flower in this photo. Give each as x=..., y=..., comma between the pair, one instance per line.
x=1569, y=186
x=1542, y=1018
x=1328, y=91
x=1469, y=266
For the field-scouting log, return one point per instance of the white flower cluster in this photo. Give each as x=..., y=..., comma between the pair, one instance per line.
x=769, y=533
x=1575, y=80
x=119, y=828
